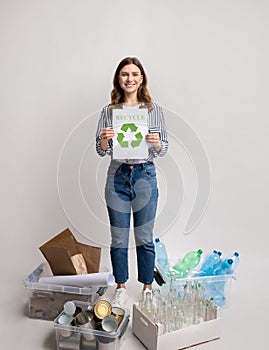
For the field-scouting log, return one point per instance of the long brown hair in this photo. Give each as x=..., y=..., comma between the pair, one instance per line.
x=117, y=94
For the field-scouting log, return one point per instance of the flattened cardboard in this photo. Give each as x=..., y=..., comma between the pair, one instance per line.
x=59, y=260
x=59, y=250
x=91, y=256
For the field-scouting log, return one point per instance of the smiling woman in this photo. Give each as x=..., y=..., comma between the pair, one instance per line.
x=130, y=78
x=131, y=185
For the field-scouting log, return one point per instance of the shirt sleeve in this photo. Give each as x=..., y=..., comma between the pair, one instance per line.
x=162, y=133
x=103, y=123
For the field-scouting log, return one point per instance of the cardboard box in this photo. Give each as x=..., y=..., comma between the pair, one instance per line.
x=45, y=301
x=85, y=338
x=150, y=334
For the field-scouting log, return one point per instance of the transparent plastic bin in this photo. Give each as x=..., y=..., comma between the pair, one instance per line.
x=85, y=338
x=216, y=288
x=45, y=301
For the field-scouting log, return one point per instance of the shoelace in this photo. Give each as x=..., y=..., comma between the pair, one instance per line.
x=117, y=296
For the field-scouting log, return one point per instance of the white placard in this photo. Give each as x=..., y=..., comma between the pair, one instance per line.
x=130, y=126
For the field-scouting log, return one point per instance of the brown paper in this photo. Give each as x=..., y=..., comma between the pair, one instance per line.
x=91, y=256
x=79, y=264
x=59, y=252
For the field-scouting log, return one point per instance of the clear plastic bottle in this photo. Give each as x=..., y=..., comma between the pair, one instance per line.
x=225, y=267
x=161, y=255
x=235, y=258
x=190, y=260
x=216, y=289
x=209, y=264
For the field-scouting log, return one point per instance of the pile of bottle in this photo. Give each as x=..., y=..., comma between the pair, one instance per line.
x=178, y=310
x=212, y=265
x=192, y=266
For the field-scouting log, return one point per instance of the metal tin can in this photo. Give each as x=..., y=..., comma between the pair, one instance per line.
x=65, y=320
x=82, y=318
x=72, y=343
x=109, y=323
x=69, y=308
x=118, y=312
x=102, y=309
x=88, y=344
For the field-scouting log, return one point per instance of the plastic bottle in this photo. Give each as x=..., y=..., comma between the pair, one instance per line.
x=190, y=260
x=235, y=258
x=161, y=254
x=225, y=267
x=215, y=290
x=216, y=294
x=209, y=264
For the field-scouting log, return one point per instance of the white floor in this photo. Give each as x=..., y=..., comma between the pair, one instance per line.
x=244, y=323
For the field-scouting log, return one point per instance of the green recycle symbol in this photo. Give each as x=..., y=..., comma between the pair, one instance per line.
x=121, y=136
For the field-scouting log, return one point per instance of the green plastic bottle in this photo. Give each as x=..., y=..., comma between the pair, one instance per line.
x=190, y=260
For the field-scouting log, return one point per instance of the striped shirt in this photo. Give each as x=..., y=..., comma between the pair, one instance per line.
x=156, y=124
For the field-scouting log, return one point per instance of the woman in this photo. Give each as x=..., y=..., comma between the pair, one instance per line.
x=131, y=184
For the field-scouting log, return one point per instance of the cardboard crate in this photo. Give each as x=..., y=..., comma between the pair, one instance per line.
x=150, y=334
x=45, y=301
x=85, y=338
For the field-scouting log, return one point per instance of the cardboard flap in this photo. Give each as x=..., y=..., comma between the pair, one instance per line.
x=64, y=239
x=59, y=260
x=59, y=251
x=91, y=256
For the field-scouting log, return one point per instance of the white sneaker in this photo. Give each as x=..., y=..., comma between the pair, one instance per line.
x=145, y=291
x=120, y=297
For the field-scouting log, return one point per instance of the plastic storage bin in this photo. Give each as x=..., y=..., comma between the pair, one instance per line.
x=85, y=338
x=45, y=301
x=217, y=288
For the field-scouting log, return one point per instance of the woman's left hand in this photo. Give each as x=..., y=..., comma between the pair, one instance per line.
x=154, y=140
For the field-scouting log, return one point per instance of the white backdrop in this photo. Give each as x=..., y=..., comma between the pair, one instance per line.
x=207, y=63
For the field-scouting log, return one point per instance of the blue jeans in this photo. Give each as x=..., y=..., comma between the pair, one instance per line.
x=132, y=188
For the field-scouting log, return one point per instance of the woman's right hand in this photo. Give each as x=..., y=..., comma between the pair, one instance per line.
x=107, y=134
